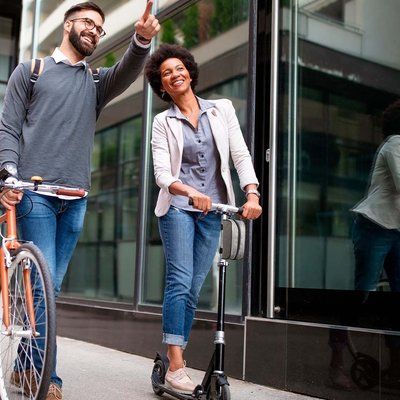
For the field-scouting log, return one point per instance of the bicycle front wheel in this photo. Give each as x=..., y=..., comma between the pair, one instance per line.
x=27, y=345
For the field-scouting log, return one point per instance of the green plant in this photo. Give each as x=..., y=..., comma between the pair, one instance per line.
x=168, y=32
x=190, y=27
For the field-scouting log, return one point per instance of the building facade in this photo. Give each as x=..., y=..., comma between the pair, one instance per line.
x=309, y=80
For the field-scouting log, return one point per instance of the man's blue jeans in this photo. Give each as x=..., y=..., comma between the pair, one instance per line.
x=54, y=226
x=375, y=248
x=190, y=241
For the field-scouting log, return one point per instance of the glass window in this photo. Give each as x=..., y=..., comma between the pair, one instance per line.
x=7, y=54
x=119, y=18
x=7, y=47
x=216, y=31
x=330, y=137
x=109, y=233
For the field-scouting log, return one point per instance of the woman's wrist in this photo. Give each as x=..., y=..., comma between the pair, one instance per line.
x=253, y=198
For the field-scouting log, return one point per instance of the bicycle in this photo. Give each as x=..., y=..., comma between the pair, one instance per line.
x=215, y=385
x=27, y=303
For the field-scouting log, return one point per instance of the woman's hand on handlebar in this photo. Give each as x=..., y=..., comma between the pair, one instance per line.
x=9, y=198
x=200, y=200
x=252, y=208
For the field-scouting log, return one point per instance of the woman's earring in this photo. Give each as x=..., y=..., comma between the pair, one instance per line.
x=163, y=94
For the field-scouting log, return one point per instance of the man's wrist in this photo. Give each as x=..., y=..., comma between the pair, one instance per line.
x=142, y=39
x=11, y=169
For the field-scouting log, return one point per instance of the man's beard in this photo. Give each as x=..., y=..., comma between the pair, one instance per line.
x=80, y=46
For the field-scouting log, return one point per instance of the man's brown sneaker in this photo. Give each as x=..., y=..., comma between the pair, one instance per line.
x=54, y=393
x=25, y=380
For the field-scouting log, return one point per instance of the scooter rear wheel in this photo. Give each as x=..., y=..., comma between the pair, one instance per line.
x=158, y=377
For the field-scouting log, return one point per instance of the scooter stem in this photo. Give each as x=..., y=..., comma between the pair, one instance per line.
x=219, y=340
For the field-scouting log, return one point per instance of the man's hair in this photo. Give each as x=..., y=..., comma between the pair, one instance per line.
x=391, y=119
x=165, y=51
x=87, y=5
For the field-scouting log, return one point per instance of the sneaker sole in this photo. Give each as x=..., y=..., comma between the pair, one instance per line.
x=169, y=386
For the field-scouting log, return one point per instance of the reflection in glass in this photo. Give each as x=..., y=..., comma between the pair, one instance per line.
x=7, y=47
x=203, y=21
x=333, y=95
x=109, y=233
x=7, y=56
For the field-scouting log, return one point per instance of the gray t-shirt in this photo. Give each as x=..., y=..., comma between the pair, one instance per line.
x=382, y=203
x=52, y=135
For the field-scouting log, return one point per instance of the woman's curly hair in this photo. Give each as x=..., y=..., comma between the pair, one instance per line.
x=165, y=51
x=391, y=119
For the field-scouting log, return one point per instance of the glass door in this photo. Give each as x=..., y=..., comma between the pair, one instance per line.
x=339, y=69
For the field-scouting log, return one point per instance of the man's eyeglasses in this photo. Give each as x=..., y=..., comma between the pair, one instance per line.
x=89, y=24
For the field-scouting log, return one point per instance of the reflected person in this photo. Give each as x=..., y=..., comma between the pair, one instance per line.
x=376, y=230
x=192, y=143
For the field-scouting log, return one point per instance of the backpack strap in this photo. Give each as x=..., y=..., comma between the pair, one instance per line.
x=37, y=66
x=95, y=74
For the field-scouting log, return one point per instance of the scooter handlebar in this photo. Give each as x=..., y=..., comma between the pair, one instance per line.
x=223, y=208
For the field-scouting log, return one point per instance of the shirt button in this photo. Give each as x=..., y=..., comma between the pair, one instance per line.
x=199, y=141
x=202, y=155
x=202, y=170
x=202, y=184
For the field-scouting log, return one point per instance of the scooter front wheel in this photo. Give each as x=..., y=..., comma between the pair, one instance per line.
x=223, y=393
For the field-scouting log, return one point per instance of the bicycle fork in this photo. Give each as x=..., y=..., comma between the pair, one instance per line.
x=5, y=263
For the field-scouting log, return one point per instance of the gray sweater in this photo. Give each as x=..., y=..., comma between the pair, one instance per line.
x=52, y=136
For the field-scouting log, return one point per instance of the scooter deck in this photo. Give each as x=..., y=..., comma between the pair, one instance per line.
x=177, y=395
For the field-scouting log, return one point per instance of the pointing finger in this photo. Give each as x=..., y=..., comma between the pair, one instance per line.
x=147, y=10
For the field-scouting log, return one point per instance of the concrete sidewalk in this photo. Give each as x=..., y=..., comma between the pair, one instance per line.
x=93, y=372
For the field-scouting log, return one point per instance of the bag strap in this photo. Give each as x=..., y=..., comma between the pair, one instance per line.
x=37, y=65
x=95, y=74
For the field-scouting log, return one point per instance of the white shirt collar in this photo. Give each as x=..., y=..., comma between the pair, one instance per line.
x=60, y=57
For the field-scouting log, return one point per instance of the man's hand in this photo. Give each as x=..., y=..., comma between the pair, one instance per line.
x=9, y=198
x=147, y=27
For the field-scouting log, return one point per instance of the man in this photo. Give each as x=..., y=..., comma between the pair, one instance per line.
x=47, y=129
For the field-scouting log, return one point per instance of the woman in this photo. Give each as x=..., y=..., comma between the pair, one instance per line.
x=191, y=144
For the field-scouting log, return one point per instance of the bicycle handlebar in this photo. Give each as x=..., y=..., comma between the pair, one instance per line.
x=223, y=208
x=57, y=190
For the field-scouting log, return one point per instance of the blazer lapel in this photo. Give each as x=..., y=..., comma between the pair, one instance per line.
x=176, y=128
x=218, y=131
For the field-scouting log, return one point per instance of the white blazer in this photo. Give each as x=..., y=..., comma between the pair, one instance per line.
x=167, y=147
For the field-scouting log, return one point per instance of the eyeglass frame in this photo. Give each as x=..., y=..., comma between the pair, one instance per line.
x=91, y=22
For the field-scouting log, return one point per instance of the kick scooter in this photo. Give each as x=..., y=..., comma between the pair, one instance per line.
x=215, y=384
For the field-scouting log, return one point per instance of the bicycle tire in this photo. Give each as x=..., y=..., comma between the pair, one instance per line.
x=20, y=377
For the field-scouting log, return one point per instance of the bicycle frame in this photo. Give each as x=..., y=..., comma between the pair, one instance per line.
x=12, y=243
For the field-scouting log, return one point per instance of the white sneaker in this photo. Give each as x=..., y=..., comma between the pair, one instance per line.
x=179, y=380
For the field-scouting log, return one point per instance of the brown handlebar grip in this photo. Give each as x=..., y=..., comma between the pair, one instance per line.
x=71, y=192
x=37, y=179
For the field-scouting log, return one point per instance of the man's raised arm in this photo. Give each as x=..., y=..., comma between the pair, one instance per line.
x=115, y=80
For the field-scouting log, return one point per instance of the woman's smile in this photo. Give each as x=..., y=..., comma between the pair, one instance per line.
x=175, y=77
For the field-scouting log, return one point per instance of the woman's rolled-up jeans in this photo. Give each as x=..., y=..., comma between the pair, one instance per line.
x=190, y=241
